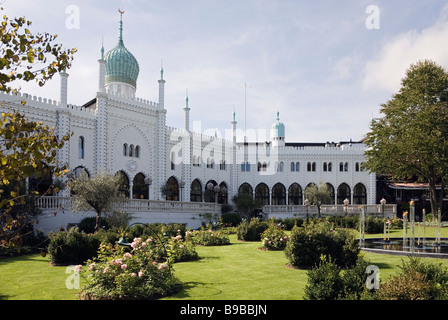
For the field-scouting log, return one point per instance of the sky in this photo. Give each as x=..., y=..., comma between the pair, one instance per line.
x=326, y=66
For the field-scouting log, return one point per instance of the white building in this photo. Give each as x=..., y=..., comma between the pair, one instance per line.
x=118, y=132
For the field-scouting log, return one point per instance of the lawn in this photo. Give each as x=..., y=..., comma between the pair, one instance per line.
x=235, y=272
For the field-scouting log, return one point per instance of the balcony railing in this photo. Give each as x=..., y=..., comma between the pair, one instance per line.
x=331, y=209
x=135, y=205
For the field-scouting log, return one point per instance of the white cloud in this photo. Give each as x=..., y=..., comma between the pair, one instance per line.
x=386, y=70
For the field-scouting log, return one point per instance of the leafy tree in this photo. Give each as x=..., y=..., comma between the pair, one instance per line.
x=27, y=56
x=27, y=149
x=411, y=140
x=97, y=193
x=318, y=196
x=245, y=203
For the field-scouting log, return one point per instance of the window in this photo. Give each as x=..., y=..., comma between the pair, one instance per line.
x=173, y=166
x=81, y=147
x=325, y=167
x=293, y=167
x=343, y=166
x=297, y=166
x=137, y=151
x=311, y=166
x=125, y=149
x=282, y=167
x=222, y=165
x=131, y=150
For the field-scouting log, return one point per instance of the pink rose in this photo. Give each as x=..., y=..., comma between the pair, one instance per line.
x=124, y=266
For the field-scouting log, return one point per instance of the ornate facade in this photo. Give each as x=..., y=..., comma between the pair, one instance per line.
x=118, y=132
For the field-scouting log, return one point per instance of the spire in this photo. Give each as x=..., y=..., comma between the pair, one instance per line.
x=102, y=48
x=278, y=116
x=120, y=39
x=161, y=70
x=186, y=101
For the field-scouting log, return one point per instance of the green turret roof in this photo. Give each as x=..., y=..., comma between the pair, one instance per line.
x=121, y=65
x=278, y=128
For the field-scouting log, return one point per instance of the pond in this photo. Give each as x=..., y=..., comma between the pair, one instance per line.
x=424, y=248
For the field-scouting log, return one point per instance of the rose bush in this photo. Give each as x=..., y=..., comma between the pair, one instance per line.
x=119, y=274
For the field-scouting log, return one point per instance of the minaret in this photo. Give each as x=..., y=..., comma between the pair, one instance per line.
x=187, y=115
x=161, y=90
x=161, y=140
x=102, y=72
x=64, y=88
x=233, y=166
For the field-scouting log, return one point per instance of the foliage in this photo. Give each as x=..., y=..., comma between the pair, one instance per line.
x=245, y=203
x=251, y=231
x=116, y=274
x=28, y=149
x=87, y=224
x=308, y=243
x=208, y=237
x=411, y=140
x=97, y=193
x=327, y=281
x=27, y=56
x=318, y=196
x=274, y=238
x=417, y=280
x=72, y=247
x=231, y=219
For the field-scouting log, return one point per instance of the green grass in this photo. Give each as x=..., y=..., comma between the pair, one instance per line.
x=236, y=272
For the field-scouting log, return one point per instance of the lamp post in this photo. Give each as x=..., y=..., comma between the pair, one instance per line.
x=181, y=186
x=307, y=204
x=148, y=183
x=125, y=243
x=383, y=203
x=216, y=189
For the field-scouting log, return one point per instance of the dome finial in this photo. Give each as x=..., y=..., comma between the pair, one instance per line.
x=120, y=39
x=278, y=115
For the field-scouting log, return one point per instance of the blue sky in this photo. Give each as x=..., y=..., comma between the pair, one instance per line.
x=315, y=62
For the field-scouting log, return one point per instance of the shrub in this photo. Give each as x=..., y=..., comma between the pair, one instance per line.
x=308, y=243
x=117, y=274
x=72, y=247
x=289, y=223
x=251, y=231
x=180, y=250
x=208, y=237
x=374, y=225
x=88, y=224
x=231, y=219
x=328, y=281
x=417, y=281
x=274, y=238
x=324, y=282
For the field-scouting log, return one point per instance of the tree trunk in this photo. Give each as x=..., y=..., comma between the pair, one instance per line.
x=433, y=196
x=98, y=217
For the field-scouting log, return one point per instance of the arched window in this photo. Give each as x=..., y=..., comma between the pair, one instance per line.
x=297, y=166
x=343, y=193
x=293, y=167
x=171, y=189
x=325, y=167
x=137, y=151
x=139, y=188
x=222, y=195
x=131, y=150
x=243, y=167
x=245, y=188
x=331, y=189
x=278, y=194
x=172, y=159
x=209, y=195
x=262, y=194
x=123, y=184
x=359, y=194
x=81, y=147
x=295, y=194
x=346, y=167
x=247, y=166
x=196, y=191
x=125, y=149
x=330, y=166
x=282, y=166
x=259, y=166
x=341, y=166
